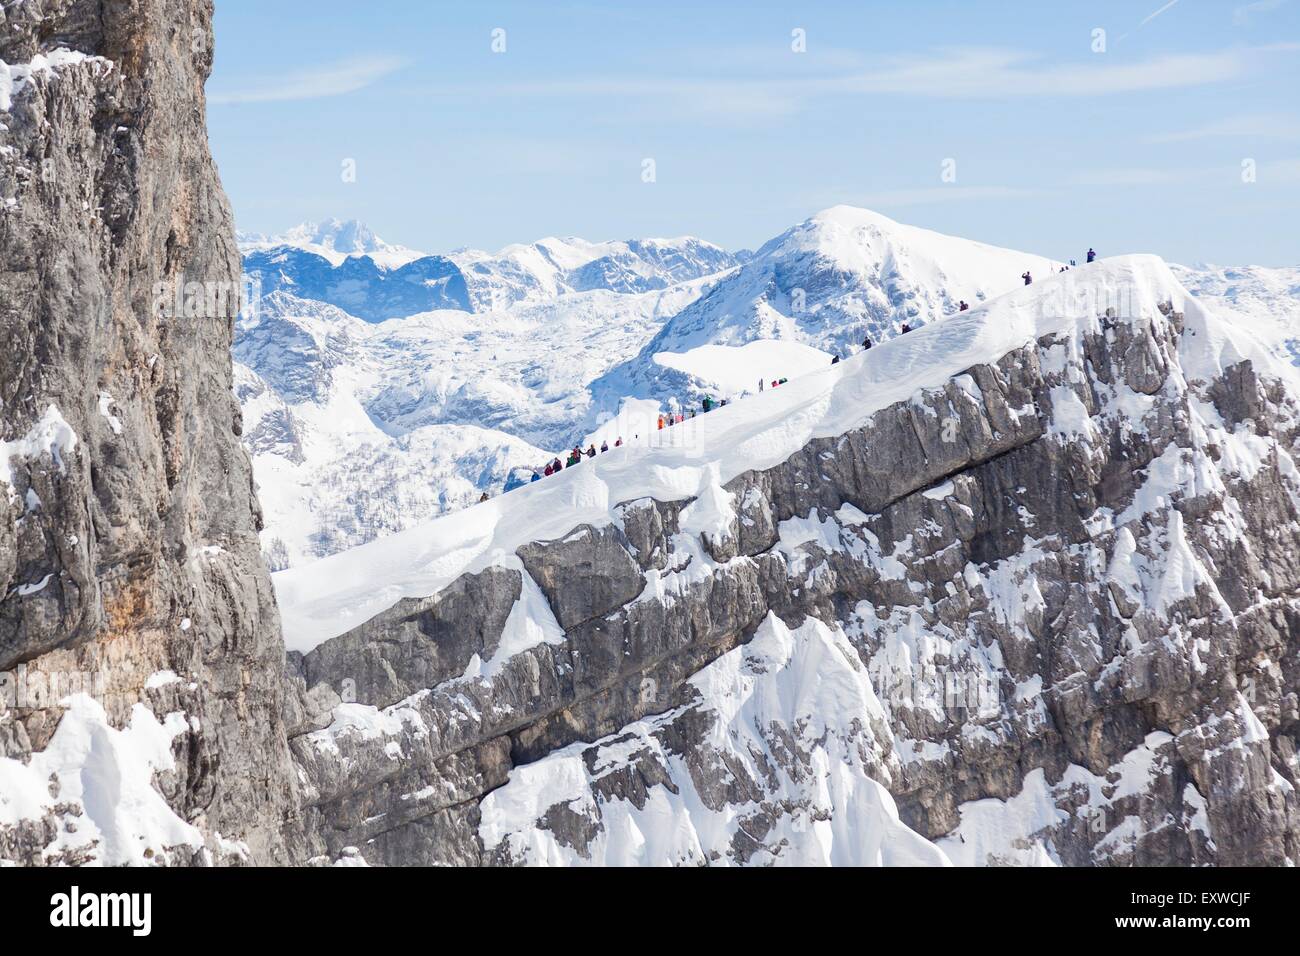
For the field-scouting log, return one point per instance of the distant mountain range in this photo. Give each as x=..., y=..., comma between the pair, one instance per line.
x=348, y=266
x=382, y=386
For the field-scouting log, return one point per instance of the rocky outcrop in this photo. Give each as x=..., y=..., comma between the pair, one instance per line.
x=1062, y=589
x=129, y=563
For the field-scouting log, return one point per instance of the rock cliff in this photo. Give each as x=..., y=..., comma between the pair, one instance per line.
x=129, y=564
x=1045, y=612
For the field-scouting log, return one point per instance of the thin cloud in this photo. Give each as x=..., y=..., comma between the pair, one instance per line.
x=958, y=74
x=1133, y=177
x=336, y=79
x=972, y=74
x=944, y=194
x=1242, y=15
x=1228, y=173
x=1258, y=126
x=1280, y=171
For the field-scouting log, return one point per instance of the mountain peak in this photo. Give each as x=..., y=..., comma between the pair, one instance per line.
x=850, y=216
x=333, y=239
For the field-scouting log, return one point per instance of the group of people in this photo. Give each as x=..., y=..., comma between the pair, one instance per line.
x=577, y=454
x=575, y=458
x=667, y=420
x=1029, y=279
x=708, y=404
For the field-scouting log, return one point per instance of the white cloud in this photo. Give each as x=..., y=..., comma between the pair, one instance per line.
x=1242, y=15
x=943, y=194
x=1280, y=171
x=333, y=79
x=1223, y=174
x=1260, y=126
x=1140, y=176
x=968, y=74
x=943, y=74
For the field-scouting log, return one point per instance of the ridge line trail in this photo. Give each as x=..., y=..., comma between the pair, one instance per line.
x=328, y=597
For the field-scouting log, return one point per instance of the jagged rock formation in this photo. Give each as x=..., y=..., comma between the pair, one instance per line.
x=129, y=562
x=1047, y=611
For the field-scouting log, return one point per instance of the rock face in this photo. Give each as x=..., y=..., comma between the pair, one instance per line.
x=129, y=561
x=1045, y=613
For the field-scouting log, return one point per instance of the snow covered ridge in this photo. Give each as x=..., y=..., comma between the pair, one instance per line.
x=1057, y=636
x=339, y=593
x=14, y=76
x=788, y=702
x=443, y=405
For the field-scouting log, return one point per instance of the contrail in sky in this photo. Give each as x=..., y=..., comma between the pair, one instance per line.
x=1171, y=3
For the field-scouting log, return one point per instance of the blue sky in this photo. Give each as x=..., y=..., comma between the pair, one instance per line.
x=1056, y=147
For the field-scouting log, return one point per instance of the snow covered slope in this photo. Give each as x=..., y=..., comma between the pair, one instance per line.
x=693, y=460
x=568, y=341
x=828, y=283
x=548, y=268
x=447, y=404
x=788, y=699
x=1017, y=587
x=1264, y=300
x=358, y=430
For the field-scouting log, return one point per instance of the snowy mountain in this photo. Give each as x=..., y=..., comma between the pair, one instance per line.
x=334, y=240
x=828, y=283
x=1017, y=588
x=552, y=267
x=1267, y=301
x=345, y=265
x=591, y=343
x=360, y=429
